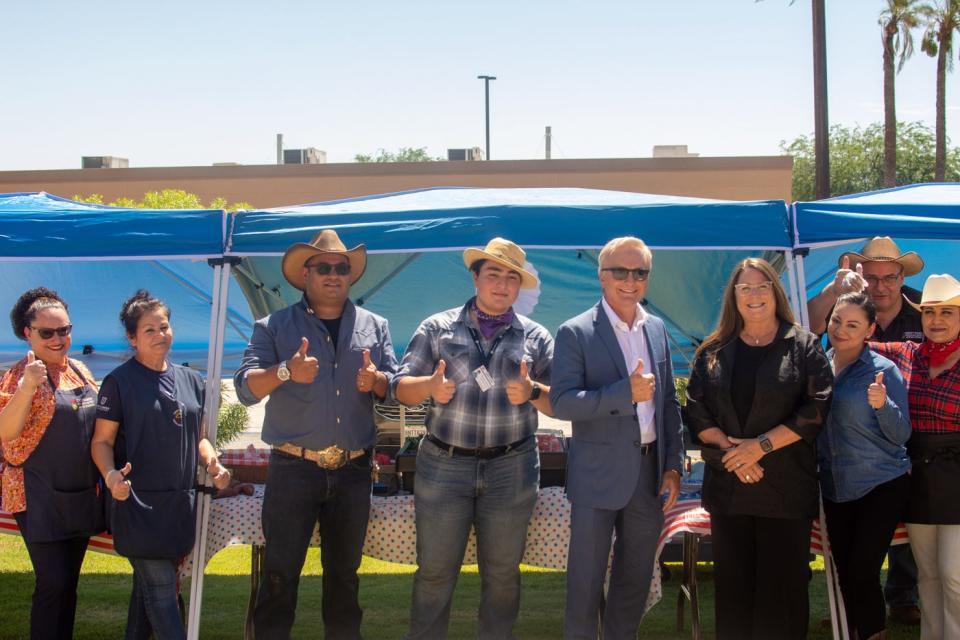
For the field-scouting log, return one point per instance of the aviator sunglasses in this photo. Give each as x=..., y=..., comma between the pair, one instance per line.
x=620, y=273
x=324, y=268
x=46, y=334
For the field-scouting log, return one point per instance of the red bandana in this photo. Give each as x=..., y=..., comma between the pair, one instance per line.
x=938, y=352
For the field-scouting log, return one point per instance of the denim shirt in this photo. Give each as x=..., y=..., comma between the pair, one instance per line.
x=862, y=447
x=330, y=410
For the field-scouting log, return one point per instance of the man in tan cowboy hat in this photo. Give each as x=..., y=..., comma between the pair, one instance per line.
x=323, y=362
x=879, y=269
x=487, y=369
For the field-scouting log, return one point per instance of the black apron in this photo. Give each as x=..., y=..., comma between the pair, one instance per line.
x=934, y=479
x=61, y=483
x=159, y=437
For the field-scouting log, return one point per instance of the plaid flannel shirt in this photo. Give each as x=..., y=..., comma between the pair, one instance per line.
x=474, y=418
x=934, y=403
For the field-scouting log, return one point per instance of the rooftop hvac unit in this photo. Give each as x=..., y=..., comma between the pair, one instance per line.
x=103, y=162
x=465, y=155
x=310, y=155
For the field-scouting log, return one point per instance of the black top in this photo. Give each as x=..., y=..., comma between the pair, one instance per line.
x=793, y=383
x=333, y=328
x=744, y=382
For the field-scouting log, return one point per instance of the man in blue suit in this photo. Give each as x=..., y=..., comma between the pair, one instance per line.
x=612, y=377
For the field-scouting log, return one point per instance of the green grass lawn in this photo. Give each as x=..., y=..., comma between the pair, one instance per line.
x=384, y=593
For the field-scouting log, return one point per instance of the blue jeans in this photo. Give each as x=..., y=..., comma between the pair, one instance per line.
x=901, y=587
x=496, y=497
x=154, y=607
x=298, y=495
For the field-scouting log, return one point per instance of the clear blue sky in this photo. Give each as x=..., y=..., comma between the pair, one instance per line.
x=192, y=82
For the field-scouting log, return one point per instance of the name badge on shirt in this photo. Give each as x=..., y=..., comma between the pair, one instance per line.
x=483, y=378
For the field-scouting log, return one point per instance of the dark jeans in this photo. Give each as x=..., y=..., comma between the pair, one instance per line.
x=56, y=567
x=901, y=587
x=154, y=607
x=860, y=532
x=761, y=569
x=496, y=497
x=297, y=496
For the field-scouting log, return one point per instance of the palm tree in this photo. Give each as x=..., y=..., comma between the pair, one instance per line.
x=897, y=21
x=942, y=21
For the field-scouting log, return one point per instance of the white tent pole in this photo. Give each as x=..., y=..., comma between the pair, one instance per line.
x=792, y=282
x=838, y=612
x=221, y=275
x=802, y=284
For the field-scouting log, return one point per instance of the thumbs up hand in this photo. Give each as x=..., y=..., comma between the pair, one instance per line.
x=848, y=280
x=219, y=474
x=303, y=368
x=118, y=484
x=367, y=374
x=519, y=389
x=33, y=374
x=642, y=385
x=877, y=392
x=442, y=388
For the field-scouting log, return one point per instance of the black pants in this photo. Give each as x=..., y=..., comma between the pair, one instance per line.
x=56, y=566
x=298, y=495
x=860, y=533
x=761, y=573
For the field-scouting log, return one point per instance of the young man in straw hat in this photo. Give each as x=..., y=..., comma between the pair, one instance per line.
x=323, y=362
x=486, y=369
x=879, y=269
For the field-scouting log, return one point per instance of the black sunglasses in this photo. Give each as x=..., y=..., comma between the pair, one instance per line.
x=620, y=273
x=324, y=268
x=46, y=334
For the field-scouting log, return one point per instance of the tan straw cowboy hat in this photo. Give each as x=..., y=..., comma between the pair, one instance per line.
x=506, y=254
x=940, y=290
x=883, y=249
x=327, y=241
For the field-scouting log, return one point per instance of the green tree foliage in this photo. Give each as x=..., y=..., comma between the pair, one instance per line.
x=232, y=420
x=403, y=154
x=897, y=21
x=856, y=159
x=942, y=24
x=165, y=199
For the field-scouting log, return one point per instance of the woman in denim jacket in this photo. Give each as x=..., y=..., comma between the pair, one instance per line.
x=863, y=461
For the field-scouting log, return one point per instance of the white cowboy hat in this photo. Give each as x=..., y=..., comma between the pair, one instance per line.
x=940, y=290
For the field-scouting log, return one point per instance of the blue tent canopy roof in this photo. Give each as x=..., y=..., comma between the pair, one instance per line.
x=39, y=226
x=919, y=211
x=456, y=218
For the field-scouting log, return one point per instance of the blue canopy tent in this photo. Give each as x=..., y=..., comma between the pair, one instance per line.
x=96, y=257
x=105, y=246
x=415, y=239
x=923, y=217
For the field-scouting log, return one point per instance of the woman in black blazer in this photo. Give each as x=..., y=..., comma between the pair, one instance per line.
x=759, y=392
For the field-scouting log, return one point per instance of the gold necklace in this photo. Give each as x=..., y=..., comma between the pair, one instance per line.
x=756, y=339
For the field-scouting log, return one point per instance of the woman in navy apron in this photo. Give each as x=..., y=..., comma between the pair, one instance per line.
x=47, y=414
x=146, y=446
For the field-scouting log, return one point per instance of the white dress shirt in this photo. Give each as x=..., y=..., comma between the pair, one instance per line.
x=633, y=345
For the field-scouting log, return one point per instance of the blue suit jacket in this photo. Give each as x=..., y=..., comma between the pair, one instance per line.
x=590, y=386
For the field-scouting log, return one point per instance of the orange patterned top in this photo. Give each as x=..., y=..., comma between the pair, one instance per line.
x=17, y=451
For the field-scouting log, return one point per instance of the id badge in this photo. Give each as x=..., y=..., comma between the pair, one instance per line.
x=483, y=378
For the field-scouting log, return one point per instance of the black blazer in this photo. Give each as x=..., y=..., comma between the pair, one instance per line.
x=793, y=387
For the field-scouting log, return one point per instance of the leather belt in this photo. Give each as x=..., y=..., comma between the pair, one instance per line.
x=331, y=458
x=646, y=449
x=484, y=453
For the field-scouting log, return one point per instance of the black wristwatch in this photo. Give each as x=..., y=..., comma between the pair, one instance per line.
x=765, y=443
x=537, y=390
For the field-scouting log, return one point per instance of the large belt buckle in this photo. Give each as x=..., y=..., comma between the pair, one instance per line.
x=333, y=457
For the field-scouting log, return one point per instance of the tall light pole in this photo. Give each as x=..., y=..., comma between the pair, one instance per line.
x=486, y=91
x=821, y=131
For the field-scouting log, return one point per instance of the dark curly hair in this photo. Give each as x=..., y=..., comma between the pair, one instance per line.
x=138, y=304
x=31, y=303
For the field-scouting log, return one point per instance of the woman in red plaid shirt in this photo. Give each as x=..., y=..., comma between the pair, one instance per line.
x=932, y=375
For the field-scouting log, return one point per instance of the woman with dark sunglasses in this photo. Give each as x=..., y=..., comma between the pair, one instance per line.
x=47, y=414
x=147, y=443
